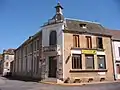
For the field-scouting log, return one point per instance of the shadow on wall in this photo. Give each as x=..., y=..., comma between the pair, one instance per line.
x=68, y=58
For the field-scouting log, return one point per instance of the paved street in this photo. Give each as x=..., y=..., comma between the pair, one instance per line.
x=6, y=84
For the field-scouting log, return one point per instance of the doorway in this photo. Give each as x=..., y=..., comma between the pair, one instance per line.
x=52, y=66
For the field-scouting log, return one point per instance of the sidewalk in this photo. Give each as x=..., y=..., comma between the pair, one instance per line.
x=79, y=84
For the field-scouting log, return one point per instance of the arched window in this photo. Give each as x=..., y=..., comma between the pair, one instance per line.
x=53, y=38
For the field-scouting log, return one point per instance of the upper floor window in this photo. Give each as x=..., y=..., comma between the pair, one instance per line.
x=89, y=42
x=34, y=46
x=31, y=47
x=7, y=56
x=99, y=42
x=37, y=44
x=76, y=41
x=53, y=38
x=25, y=50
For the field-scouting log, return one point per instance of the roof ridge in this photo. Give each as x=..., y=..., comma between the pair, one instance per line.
x=82, y=20
x=113, y=29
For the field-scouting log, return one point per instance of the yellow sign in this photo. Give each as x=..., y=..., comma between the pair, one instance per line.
x=89, y=51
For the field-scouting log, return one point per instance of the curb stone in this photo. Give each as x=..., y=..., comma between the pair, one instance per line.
x=78, y=84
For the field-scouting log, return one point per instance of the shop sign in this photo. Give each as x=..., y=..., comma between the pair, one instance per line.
x=89, y=51
x=101, y=73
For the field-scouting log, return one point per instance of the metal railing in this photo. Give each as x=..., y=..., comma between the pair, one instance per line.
x=50, y=48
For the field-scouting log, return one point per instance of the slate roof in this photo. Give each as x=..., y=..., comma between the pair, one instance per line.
x=91, y=27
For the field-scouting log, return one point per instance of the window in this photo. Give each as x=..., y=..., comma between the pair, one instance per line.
x=99, y=42
x=89, y=61
x=76, y=41
x=118, y=68
x=25, y=51
x=34, y=46
x=119, y=50
x=37, y=65
x=89, y=42
x=101, y=62
x=31, y=47
x=53, y=38
x=7, y=56
x=37, y=44
x=76, y=61
x=82, y=25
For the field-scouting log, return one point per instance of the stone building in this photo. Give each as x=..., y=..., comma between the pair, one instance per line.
x=66, y=50
x=8, y=57
x=1, y=60
x=28, y=57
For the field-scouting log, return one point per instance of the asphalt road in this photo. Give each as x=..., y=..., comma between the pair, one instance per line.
x=6, y=84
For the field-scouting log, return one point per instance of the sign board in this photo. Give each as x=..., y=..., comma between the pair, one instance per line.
x=101, y=73
x=89, y=51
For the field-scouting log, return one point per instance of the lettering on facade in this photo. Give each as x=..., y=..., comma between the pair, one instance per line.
x=89, y=51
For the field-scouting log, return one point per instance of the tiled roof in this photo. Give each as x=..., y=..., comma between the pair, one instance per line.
x=9, y=51
x=91, y=27
x=115, y=34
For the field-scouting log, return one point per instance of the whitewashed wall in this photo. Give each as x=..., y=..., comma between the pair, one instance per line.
x=46, y=32
x=115, y=45
x=60, y=39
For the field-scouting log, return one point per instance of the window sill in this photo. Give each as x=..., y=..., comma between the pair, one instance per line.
x=89, y=70
x=78, y=48
x=100, y=49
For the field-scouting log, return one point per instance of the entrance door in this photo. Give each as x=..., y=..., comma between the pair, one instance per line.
x=52, y=66
x=118, y=71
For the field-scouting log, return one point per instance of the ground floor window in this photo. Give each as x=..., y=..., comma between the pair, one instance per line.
x=89, y=61
x=101, y=62
x=76, y=61
x=118, y=68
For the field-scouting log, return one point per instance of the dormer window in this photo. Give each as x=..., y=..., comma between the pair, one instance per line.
x=83, y=26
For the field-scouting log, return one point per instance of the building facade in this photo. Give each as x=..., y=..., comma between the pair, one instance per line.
x=116, y=51
x=8, y=57
x=1, y=60
x=67, y=50
x=27, y=57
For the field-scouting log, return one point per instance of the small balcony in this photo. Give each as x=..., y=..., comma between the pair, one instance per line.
x=51, y=48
